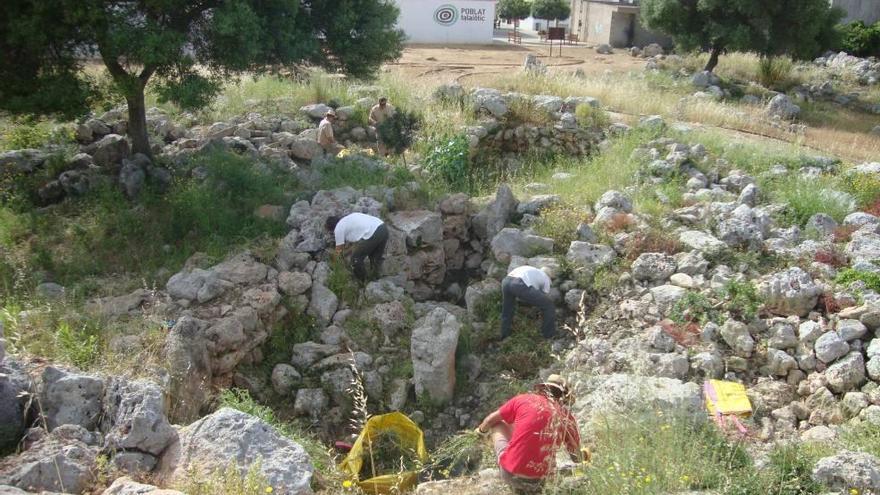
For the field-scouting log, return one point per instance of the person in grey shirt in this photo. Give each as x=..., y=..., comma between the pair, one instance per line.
x=530, y=286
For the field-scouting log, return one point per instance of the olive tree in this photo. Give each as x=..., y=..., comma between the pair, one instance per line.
x=801, y=28
x=185, y=49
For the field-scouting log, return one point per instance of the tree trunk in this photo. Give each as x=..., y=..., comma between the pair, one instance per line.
x=137, y=122
x=713, y=58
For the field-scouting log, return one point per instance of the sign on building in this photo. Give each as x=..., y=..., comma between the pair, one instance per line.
x=447, y=22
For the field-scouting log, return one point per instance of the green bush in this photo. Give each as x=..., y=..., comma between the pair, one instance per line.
x=695, y=307
x=77, y=347
x=741, y=300
x=849, y=275
x=775, y=72
x=857, y=38
x=560, y=223
x=865, y=188
x=806, y=197
x=397, y=131
x=589, y=116
x=447, y=161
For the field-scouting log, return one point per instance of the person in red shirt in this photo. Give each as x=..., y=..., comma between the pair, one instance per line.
x=528, y=429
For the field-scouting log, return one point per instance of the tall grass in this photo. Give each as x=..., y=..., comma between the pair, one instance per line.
x=804, y=198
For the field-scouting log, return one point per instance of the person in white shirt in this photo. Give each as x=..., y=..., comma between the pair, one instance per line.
x=366, y=233
x=530, y=286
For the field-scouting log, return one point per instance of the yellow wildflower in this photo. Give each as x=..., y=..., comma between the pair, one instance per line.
x=346, y=484
x=269, y=489
x=853, y=491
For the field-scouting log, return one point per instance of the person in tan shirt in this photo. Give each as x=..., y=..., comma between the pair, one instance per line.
x=325, y=134
x=378, y=114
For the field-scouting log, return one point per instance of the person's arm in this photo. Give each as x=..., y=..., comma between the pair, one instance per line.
x=372, y=118
x=339, y=235
x=573, y=440
x=491, y=420
x=547, y=284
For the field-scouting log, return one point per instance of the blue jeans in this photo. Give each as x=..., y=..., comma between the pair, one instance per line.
x=513, y=289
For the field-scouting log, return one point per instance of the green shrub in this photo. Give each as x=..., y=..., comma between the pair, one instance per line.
x=589, y=116
x=342, y=282
x=859, y=39
x=447, y=161
x=865, y=188
x=695, y=307
x=397, y=131
x=806, y=197
x=775, y=72
x=26, y=135
x=849, y=275
x=741, y=300
x=560, y=223
x=524, y=111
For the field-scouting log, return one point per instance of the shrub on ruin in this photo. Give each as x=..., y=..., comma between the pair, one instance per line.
x=865, y=188
x=590, y=117
x=741, y=300
x=650, y=241
x=398, y=130
x=447, y=161
x=560, y=223
x=850, y=275
x=775, y=72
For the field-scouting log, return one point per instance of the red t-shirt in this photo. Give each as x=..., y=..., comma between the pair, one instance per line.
x=540, y=426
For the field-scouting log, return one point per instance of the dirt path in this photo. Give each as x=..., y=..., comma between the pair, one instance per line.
x=435, y=64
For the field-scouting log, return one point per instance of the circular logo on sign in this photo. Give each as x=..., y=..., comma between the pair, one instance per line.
x=446, y=15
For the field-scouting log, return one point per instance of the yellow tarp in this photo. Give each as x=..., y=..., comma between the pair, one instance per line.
x=724, y=397
x=409, y=434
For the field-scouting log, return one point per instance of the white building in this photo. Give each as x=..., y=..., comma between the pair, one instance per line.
x=447, y=21
x=532, y=24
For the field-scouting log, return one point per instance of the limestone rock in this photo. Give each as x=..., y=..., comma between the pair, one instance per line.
x=737, y=336
x=62, y=461
x=434, y=340
x=848, y=470
x=790, y=292
x=846, y=374
x=134, y=417
x=653, y=267
x=230, y=436
x=70, y=398
x=514, y=242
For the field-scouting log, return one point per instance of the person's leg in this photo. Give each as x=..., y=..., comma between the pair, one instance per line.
x=377, y=255
x=500, y=435
x=535, y=297
x=358, y=255
x=508, y=305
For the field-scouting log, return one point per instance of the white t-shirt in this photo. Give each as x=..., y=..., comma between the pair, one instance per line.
x=532, y=276
x=355, y=227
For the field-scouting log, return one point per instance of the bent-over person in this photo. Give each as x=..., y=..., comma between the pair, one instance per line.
x=367, y=234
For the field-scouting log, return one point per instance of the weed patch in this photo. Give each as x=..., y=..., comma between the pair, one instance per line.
x=849, y=275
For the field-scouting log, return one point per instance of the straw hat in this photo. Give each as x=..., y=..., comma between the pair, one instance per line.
x=557, y=382
x=330, y=113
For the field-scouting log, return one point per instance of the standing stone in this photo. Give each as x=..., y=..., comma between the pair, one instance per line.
x=134, y=417
x=491, y=219
x=434, y=340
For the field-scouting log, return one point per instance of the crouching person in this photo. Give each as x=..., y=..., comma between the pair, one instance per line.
x=528, y=429
x=366, y=234
x=530, y=286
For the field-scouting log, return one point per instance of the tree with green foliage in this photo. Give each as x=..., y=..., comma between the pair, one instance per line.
x=513, y=10
x=800, y=28
x=397, y=131
x=551, y=10
x=184, y=48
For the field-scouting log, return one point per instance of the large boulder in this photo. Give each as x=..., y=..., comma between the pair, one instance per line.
x=305, y=149
x=134, y=418
x=69, y=398
x=781, y=106
x=589, y=257
x=789, y=292
x=701, y=241
x=846, y=374
x=196, y=285
x=62, y=461
x=849, y=470
x=829, y=347
x=434, y=340
x=609, y=395
x=230, y=437
x=127, y=486
x=491, y=219
x=653, y=267
x=514, y=242
x=12, y=420
x=323, y=303
x=109, y=151
x=420, y=227
x=490, y=100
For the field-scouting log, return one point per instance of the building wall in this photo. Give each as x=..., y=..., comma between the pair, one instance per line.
x=447, y=21
x=532, y=24
x=859, y=10
x=616, y=24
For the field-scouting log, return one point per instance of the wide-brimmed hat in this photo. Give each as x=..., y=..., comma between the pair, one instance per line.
x=330, y=113
x=556, y=382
